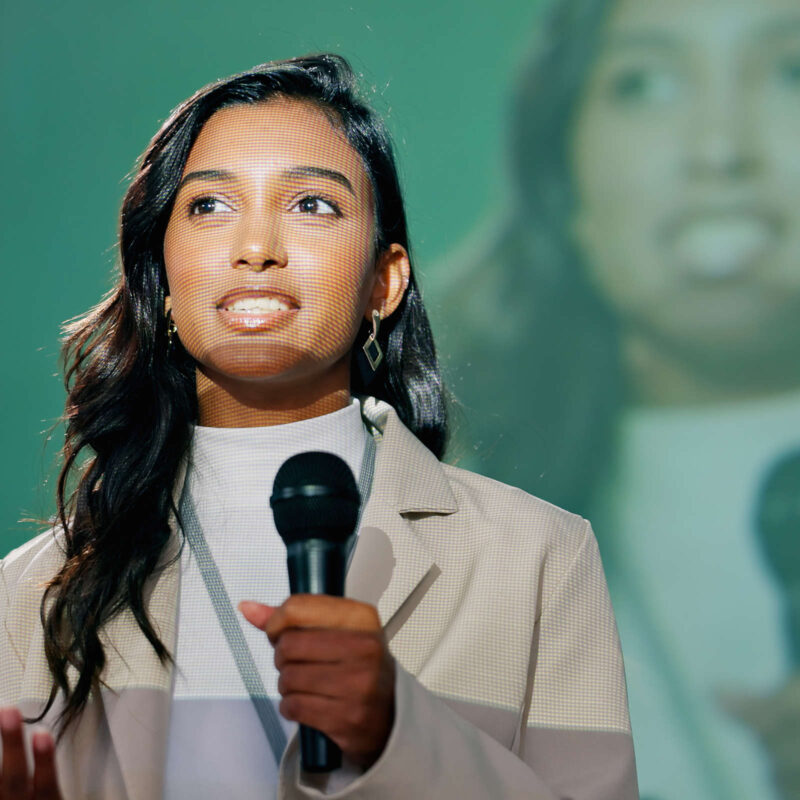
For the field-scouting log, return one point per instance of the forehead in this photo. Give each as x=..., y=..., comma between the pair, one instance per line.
x=705, y=20
x=255, y=141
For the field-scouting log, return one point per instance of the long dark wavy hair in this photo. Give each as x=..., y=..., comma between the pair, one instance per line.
x=131, y=398
x=528, y=346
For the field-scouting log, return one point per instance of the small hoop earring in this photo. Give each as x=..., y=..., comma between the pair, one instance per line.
x=172, y=330
x=372, y=350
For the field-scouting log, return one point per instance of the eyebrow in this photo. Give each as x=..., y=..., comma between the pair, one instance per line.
x=292, y=172
x=781, y=27
x=207, y=175
x=633, y=39
x=320, y=172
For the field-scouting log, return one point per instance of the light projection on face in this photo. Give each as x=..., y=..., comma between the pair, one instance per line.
x=687, y=174
x=270, y=251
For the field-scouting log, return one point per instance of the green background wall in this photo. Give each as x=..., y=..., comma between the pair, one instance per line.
x=83, y=87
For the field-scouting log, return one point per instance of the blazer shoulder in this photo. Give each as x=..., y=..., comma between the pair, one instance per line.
x=512, y=509
x=33, y=562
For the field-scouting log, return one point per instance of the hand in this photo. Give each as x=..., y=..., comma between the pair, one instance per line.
x=336, y=673
x=15, y=780
x=775, y=718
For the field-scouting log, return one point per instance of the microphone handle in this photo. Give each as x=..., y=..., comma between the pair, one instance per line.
x=317, y=566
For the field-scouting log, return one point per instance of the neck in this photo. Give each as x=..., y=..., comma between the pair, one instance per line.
x=227, y=403
x=659, y=377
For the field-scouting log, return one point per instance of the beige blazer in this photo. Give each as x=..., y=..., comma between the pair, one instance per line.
x=510, y=680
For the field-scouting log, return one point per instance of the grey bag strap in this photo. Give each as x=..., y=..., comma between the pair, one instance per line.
x=226, y=616
x=232, y=630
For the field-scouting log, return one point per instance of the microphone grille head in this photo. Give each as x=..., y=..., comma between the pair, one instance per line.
x=314, y=496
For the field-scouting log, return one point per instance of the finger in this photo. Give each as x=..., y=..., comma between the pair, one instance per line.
x=256, y=613
x=45, y=783
x=14, y=774
x=358, y=731
x=324, y=714
x=325, y=680
x=322, y=611
x=327, y=646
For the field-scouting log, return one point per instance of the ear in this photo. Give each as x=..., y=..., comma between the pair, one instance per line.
x=392, y=274
x=167, y=305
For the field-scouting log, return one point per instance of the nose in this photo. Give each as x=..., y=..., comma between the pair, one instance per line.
x=723, y=132
x=259, y=244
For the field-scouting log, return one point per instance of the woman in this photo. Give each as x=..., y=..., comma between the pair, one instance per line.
x=264, y=254
x=642, y=295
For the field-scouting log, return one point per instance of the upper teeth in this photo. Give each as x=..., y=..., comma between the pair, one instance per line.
x=258, y=304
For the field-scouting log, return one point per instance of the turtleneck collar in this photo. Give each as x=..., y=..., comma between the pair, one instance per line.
x=238, y=465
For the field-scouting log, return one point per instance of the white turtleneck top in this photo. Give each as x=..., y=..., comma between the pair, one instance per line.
x=216, y=746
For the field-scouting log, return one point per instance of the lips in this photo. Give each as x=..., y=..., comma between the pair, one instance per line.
x=255, y=308
x=257, y=305
x=722, y=243
x=250, y=300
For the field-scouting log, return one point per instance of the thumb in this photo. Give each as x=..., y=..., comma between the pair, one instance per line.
x=256, y=614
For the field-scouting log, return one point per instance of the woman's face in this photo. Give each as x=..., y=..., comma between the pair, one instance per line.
x=270, y=246
x=686, y=158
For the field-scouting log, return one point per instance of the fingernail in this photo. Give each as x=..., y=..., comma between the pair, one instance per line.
x=9, y=719
x=42, y=742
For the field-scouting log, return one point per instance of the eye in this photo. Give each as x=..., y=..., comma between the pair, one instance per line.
x=311, y=204
x=207, y=205
x=643, y=86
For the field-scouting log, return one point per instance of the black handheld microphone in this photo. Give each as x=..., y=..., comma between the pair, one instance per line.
x=315, y=503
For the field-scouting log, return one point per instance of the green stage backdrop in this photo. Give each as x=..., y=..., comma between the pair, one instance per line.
x=618, y=311
x=85, y=85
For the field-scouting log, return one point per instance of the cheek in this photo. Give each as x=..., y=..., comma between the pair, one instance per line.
x=188, y=264
x=342, y=283
x=174, y=255
x=624, y=175
x=339, y=305
x=622, y=165
x=183, y=294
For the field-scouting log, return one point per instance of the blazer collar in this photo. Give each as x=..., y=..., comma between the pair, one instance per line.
x=393, y=565
x=136, y=682
x=410, y=478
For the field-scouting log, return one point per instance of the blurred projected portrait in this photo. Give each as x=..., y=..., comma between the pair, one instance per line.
x=632, y=325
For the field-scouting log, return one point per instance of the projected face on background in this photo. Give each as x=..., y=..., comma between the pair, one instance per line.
x=270, y=250
x=687, y=173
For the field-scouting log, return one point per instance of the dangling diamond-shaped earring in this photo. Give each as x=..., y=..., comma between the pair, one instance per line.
x=372, y=350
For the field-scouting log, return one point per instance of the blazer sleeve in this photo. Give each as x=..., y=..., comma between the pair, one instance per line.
x=574, y=739
x=10, y=662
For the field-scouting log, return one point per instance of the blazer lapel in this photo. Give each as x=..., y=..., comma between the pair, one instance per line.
x=136, y=697
x=392, y=566
x=130, y=715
